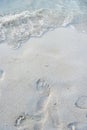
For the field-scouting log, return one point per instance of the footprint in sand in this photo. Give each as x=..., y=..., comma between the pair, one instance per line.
x=42, y=104
x=81, y=102
x=44, y=91
x=42, y=87
x=36, y=120
x=26, y=122
x=21, y=118
x=77, y=126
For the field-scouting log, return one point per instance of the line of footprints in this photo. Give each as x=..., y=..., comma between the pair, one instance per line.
x=37, y=121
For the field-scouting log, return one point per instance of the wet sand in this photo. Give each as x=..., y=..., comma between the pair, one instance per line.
x=44, y=84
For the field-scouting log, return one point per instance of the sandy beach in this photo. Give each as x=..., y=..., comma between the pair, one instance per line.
x=43, y=84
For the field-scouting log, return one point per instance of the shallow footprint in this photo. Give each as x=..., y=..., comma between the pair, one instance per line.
x=81, y=102
x=77, y=126
x=26, y=121
x=20, y=119
x=42, y=87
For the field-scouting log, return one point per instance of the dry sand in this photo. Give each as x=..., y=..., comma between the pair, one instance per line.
x=43, y=84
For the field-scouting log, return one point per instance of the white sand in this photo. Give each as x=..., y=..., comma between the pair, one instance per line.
x=44, y=83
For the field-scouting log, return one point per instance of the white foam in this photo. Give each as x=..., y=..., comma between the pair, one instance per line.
x=17, y=28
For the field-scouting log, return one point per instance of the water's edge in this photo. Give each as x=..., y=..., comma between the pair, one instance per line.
x=16, y=29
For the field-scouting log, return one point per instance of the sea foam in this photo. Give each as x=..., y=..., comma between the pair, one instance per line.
x=17, y=28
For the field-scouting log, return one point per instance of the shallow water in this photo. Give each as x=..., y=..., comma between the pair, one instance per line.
x=13, y=6
x=32, y=18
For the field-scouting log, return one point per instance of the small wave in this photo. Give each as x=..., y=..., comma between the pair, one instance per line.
x=16, y=29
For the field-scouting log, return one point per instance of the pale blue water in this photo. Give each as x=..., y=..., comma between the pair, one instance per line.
x=22, y=19
x=21, y=5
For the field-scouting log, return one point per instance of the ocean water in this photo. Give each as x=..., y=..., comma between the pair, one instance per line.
x=23, y=19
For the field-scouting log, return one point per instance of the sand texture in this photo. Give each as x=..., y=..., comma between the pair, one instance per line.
x=43, y=84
